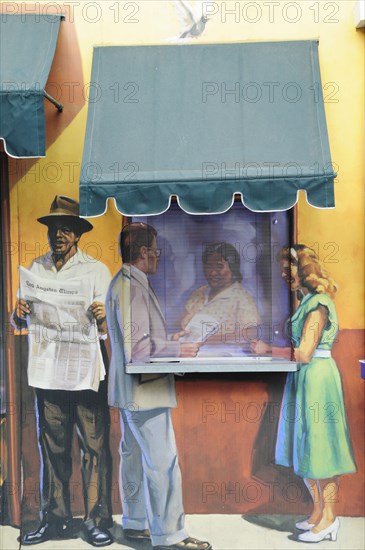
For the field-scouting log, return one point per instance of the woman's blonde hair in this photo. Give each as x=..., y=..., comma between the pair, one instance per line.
x=311, y=273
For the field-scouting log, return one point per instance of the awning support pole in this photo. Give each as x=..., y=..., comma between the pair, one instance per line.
x=52, y=100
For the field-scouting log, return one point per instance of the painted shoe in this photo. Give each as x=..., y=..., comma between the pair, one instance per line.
x=187, y=544
x=304, y=525
x=330, y=532
x=98, y=537
x=137, y=534
x=49, y=531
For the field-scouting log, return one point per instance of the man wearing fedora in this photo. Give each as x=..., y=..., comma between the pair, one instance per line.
x=60, y=408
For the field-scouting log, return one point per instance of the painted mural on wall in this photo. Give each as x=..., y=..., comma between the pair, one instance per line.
x=67, y=368
x=274, y=449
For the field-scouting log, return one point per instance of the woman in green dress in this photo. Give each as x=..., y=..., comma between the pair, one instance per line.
x=313, y=435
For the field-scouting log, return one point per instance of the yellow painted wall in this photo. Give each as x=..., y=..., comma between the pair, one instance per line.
x=337, y=234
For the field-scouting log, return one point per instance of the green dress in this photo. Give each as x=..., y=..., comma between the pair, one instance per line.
x=313, y=435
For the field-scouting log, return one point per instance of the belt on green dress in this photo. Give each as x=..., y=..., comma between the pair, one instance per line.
x=323, y=353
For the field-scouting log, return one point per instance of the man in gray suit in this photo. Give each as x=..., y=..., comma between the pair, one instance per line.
x=150, y=478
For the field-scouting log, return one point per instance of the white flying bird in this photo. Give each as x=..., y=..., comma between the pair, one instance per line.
x=192, y=18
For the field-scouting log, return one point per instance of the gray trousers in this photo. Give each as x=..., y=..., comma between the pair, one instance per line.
x=150, y=477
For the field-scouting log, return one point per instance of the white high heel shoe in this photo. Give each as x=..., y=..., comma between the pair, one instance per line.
x=304, y=525
x=330, y=532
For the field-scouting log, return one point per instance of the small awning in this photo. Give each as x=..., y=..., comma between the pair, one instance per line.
x=203, y=122
x=27, y=47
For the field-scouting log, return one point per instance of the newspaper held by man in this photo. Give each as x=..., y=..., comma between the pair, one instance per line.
x=64, y=348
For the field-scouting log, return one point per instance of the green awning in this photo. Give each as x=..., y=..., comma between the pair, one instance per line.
x=203, y=122
x=27, y=47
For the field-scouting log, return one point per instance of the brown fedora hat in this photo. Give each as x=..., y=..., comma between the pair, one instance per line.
x=65, y=207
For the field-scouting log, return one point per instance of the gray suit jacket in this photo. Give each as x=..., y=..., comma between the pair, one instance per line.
x=137, y=331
